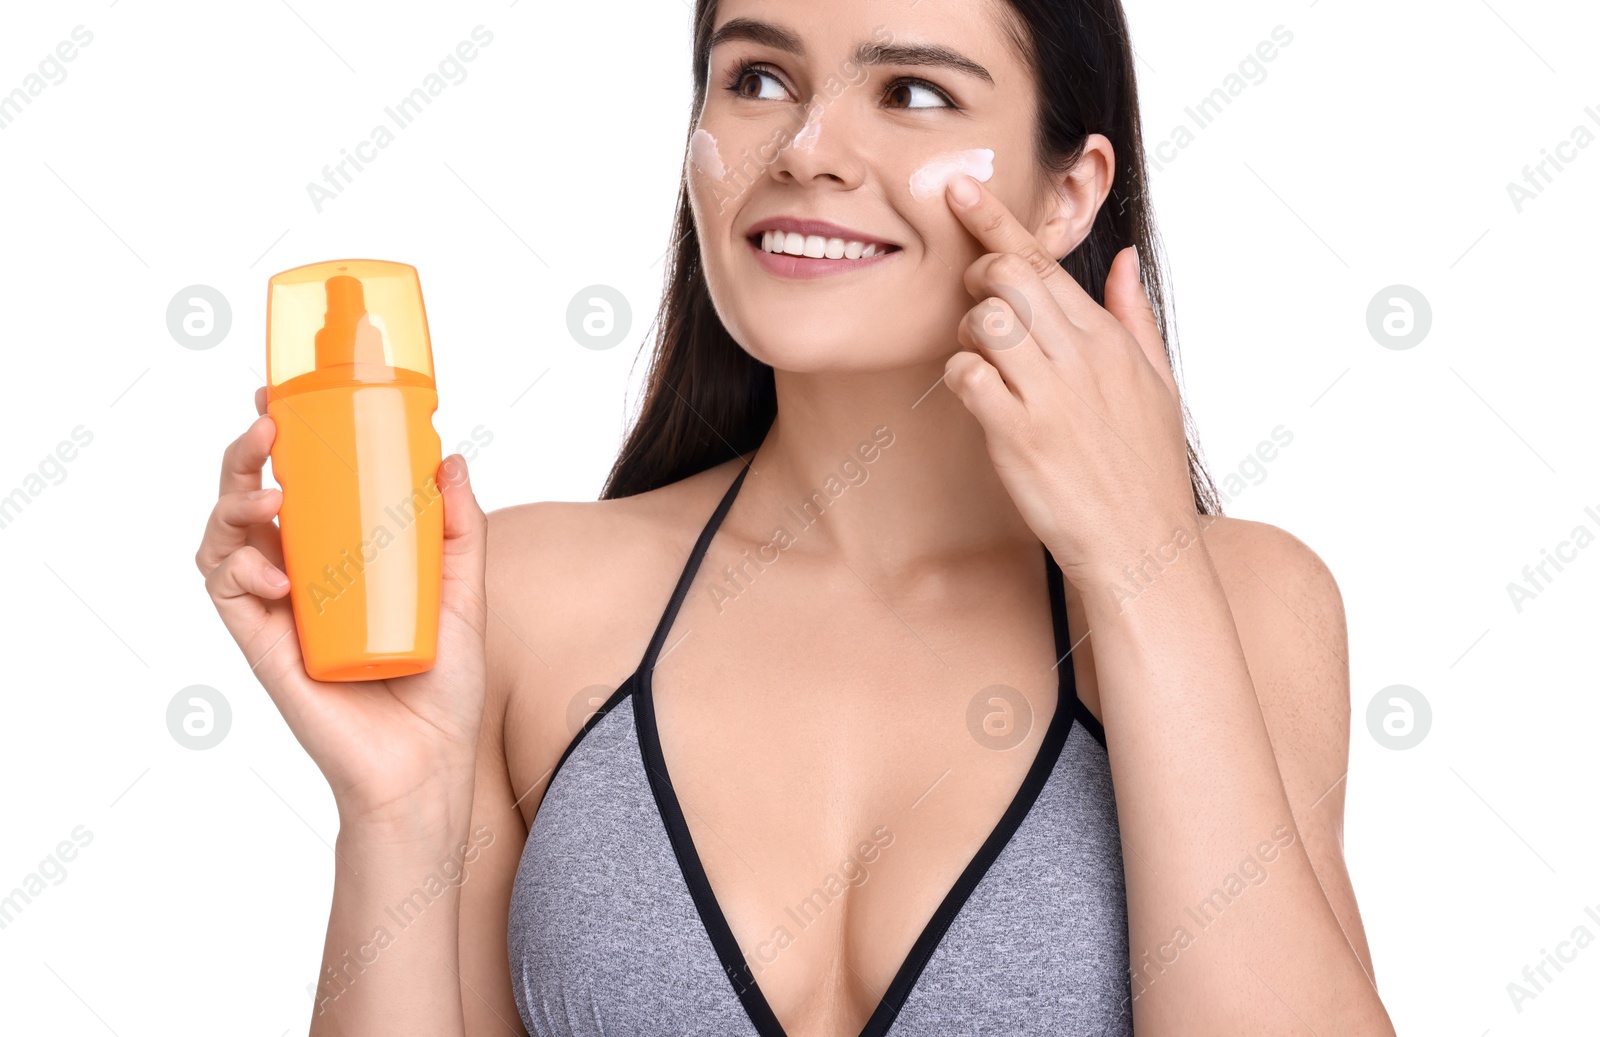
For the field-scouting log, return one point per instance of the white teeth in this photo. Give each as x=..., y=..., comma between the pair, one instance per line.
x=817, y=247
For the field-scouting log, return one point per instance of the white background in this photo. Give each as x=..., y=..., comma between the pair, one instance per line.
x=1376, y=152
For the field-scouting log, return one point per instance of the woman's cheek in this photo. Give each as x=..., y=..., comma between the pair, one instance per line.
x=708, y=178
x=941, y=228
x=930, y=178
x=705, y=156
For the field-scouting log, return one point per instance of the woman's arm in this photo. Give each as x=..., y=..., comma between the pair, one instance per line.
x=400, y=755
x=389, y=961
x=1230, y=930
x=444, y=968
x=484, y=972
x=1290, y=617
x=485, y=979
x=416, y=935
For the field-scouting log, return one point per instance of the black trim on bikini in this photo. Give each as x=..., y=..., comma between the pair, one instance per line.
x=1090, y=722
x=623, y=691
x=679, y=590
x=1064, y=648
x=1068, y=708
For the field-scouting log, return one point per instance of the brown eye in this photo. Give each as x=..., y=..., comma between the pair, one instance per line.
x=906, y=89
x=742, y=88
x=746, y=82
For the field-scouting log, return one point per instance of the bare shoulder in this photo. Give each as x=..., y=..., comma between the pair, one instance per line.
x=1283, y=596
x=1289, y=612
x=1290, y=616
x=574, y=590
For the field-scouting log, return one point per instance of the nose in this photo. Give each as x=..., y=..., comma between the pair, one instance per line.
x=821, y=150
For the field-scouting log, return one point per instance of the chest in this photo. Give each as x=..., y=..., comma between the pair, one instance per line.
x=838, y=769
x=848, y=795
x=615, y=928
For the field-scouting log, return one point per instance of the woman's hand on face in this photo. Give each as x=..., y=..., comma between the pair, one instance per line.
x=1078, y=404
x=399, y=754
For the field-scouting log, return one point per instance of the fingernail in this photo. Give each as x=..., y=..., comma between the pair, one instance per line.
x=273, y=577
x=964, y=190
x=258, y=494
x=453, y=470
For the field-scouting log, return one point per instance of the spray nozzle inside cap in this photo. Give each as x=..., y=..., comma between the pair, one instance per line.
x=348, y=335
x=347, y=322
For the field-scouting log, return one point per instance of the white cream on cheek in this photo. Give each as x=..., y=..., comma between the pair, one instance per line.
x=705, y=156
x=930, y=180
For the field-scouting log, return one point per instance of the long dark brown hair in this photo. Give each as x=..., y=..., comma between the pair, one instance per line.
x=706, y=400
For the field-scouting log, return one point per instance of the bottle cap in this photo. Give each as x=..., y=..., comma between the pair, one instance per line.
x=346, y=322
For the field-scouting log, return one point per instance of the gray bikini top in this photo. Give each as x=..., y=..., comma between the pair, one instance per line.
x=614, y=930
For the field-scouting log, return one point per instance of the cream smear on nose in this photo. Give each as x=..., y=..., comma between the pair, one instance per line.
x=703, y=153
x=931, y=179
x=806, y=139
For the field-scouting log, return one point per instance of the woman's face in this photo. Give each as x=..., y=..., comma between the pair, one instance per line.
x=799, y=124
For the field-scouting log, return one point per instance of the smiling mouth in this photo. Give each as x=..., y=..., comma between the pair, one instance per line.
x=814, y=246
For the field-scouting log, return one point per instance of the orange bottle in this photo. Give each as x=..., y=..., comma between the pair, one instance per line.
x=351, y=391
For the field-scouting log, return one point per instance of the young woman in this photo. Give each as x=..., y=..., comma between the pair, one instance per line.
x=906, y=680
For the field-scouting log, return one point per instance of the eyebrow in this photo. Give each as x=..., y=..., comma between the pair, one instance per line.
x=922, y=54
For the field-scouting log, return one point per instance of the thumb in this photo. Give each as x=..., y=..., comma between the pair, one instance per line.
x=466, y=544
x=1126, y=300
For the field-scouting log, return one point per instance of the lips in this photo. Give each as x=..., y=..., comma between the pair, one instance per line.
x=820, y=259
x=816, y=229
